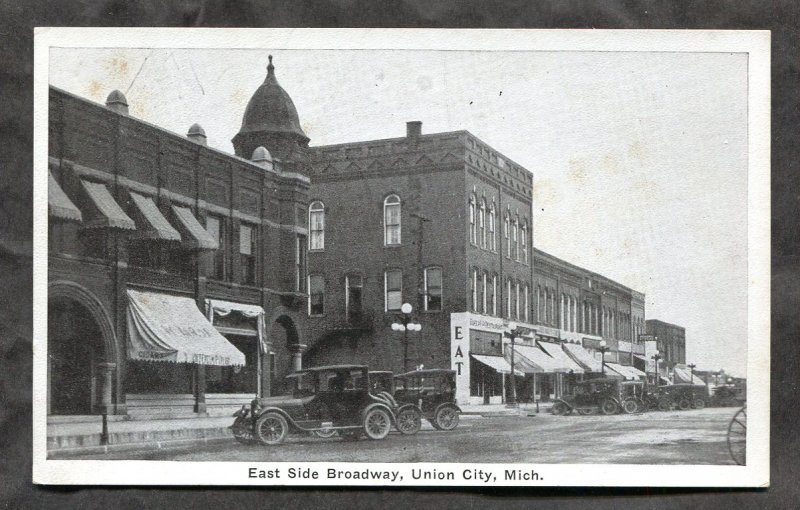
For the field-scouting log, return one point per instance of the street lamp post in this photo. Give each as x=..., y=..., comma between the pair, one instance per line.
x=603, y=349
x=406, y=324
x=511, y=332
x=656, y=357
x=691, y=372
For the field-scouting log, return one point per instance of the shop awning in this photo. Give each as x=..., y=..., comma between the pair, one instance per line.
x=109, y=213
x=153, y=224
x=684, y=376
x=622, y=370
x=533, y=360
x=583, y=357
x=195, y=236
x=162, y=327
x=58, y=203
x=497, y=363
x=566, y=363
x=635, y=370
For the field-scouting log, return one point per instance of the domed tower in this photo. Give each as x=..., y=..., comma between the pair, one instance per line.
x=271, y=121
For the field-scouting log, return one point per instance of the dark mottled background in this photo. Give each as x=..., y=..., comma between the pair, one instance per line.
x=17, y=19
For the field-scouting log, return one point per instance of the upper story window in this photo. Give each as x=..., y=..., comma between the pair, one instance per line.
x=474, y=289
x=316, y=295
x=433, y=289
x=506, y=234
x=300, y=263
x=391, y=220
x=485, y=293
x=515, y=239
x=354, y=295
x=393, y=285
x=492, y=238
x=526, y=305
x=316, y=223
x=494, y=294
x=524, y=242
x=248, y=249
x=473, y=230
x=215, y=226
x=482, y=223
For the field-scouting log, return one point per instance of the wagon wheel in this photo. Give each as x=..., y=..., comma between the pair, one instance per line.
x=737, y=437
x=609, y=407
x=377, y=423
x=271, y=428
x=446, y=418
x=684, y=404
x=409, y=421
x=630, y=406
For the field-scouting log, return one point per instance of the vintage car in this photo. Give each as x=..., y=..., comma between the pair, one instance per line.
x=681, y=396
x=322, y=401
x=408, y=416
x=605, y=394
x=432, y=391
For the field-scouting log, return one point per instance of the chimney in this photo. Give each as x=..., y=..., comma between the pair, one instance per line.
x=117, y=102
x=197, y=134
x=413, y=129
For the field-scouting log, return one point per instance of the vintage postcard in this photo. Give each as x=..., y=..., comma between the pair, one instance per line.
x=401, y=257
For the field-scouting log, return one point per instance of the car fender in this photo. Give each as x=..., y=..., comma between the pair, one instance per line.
x=403, y=407
x=447, y=404
x=566, y=403
x=380, y=405
x=289, y=420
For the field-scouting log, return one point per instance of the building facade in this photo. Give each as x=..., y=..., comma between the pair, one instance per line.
x=176, y=271
x=670, y=342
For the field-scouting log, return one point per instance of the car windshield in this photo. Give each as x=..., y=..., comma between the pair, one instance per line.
x=337, y=381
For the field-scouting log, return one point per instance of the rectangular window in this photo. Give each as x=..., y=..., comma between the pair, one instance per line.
x=481, y=292
x=485, y=293
x=516, y=301
x=392, y=221
x=527, y=304
x=353, y=298
x=300, y=262
x=507, y=235
x=393, y=281
x=524, y=242
x=215, y=226
x=433, y=289
x=494, y=295
x=515, y=234
x=508, y=298
x=248, y=248
x=474, y=289
x=317, y=228
x=316, y=295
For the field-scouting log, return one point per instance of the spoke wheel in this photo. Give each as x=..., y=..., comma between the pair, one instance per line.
x=243, y=431
x=737, y=437
x=377, y=423
x=699, y=403
x=271, y=428
x=630, y=406
x=559, y=409
x=684, y=404
x=447, y=418
x=609, y=407
x=409, y=421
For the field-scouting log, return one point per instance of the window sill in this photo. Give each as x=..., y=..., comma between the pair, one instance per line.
x=392, y=245
x=316, y=250
x=316, y=316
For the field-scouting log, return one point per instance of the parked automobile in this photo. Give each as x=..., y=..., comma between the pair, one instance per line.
x=680, y=396
x=729, y=395
x=408, y=415
x=603, y=394
x=322, y=399
x=432, y=391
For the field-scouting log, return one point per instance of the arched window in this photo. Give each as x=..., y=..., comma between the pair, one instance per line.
x=524, y=242
x=507, y=235
x=316, y=223
x=473, y=232
x=515, y=238
x=482, y=223
x=391, y=220
x=492, y=238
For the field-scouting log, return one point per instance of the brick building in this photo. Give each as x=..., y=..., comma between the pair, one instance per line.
x=670, y=341
x=154, y=237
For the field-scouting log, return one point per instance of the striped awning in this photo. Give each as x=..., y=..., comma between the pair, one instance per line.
x=58, y=203
x=567, y=364
x=497, y=363
x=108, y=212
x=583, y=357
x=152, y=224
x=533, y=360
x=623, y=371
x=195, y=236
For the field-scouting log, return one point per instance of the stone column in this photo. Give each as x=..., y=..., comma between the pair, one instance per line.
x=297, y=356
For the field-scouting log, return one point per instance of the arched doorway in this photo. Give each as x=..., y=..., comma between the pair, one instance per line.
x=80, y=338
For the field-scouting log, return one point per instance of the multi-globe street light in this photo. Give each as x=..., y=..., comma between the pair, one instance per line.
x=512, y=332
x=405, y=324
x=656, y=357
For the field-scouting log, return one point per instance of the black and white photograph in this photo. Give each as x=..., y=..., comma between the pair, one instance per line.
x=401, y=257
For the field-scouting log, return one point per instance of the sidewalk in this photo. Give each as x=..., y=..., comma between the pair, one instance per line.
x=68, y=436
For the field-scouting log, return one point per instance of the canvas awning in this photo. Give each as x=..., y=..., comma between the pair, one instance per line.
x=152, y=224
x=109, y=213
x=533, y=360
x=58, y=203
x=583, y=357
x=684, y=375
x=566, y=363
x=625, y=371
x=195, y=236
x=162, y=327
x=496, y=363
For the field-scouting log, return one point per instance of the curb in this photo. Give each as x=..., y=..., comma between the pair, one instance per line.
x=65, y=453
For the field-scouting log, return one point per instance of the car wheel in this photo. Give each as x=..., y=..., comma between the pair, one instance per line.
x=630, y=406
x=271, y=428
x=559, y=408
x=609, y=407
x=684, y=404
x=447, y=418
x=699, y=403
x=586, y=411
x=243, y=431
x=326, y=433
x=409, y=421
x=377, y=423
x=664, y=405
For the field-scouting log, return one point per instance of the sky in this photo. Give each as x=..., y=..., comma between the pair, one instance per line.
x=639, y=158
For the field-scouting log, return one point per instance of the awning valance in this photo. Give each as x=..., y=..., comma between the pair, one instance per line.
x=224, y=308
x=583, y=357
x=684, y=376
x=532, y=360
x=153, y=224
x=162, y=327
x=623, y=371
x=566, y=363
x=109, y=213
x=195, y=236
x=496, y=363
x=58, y=203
